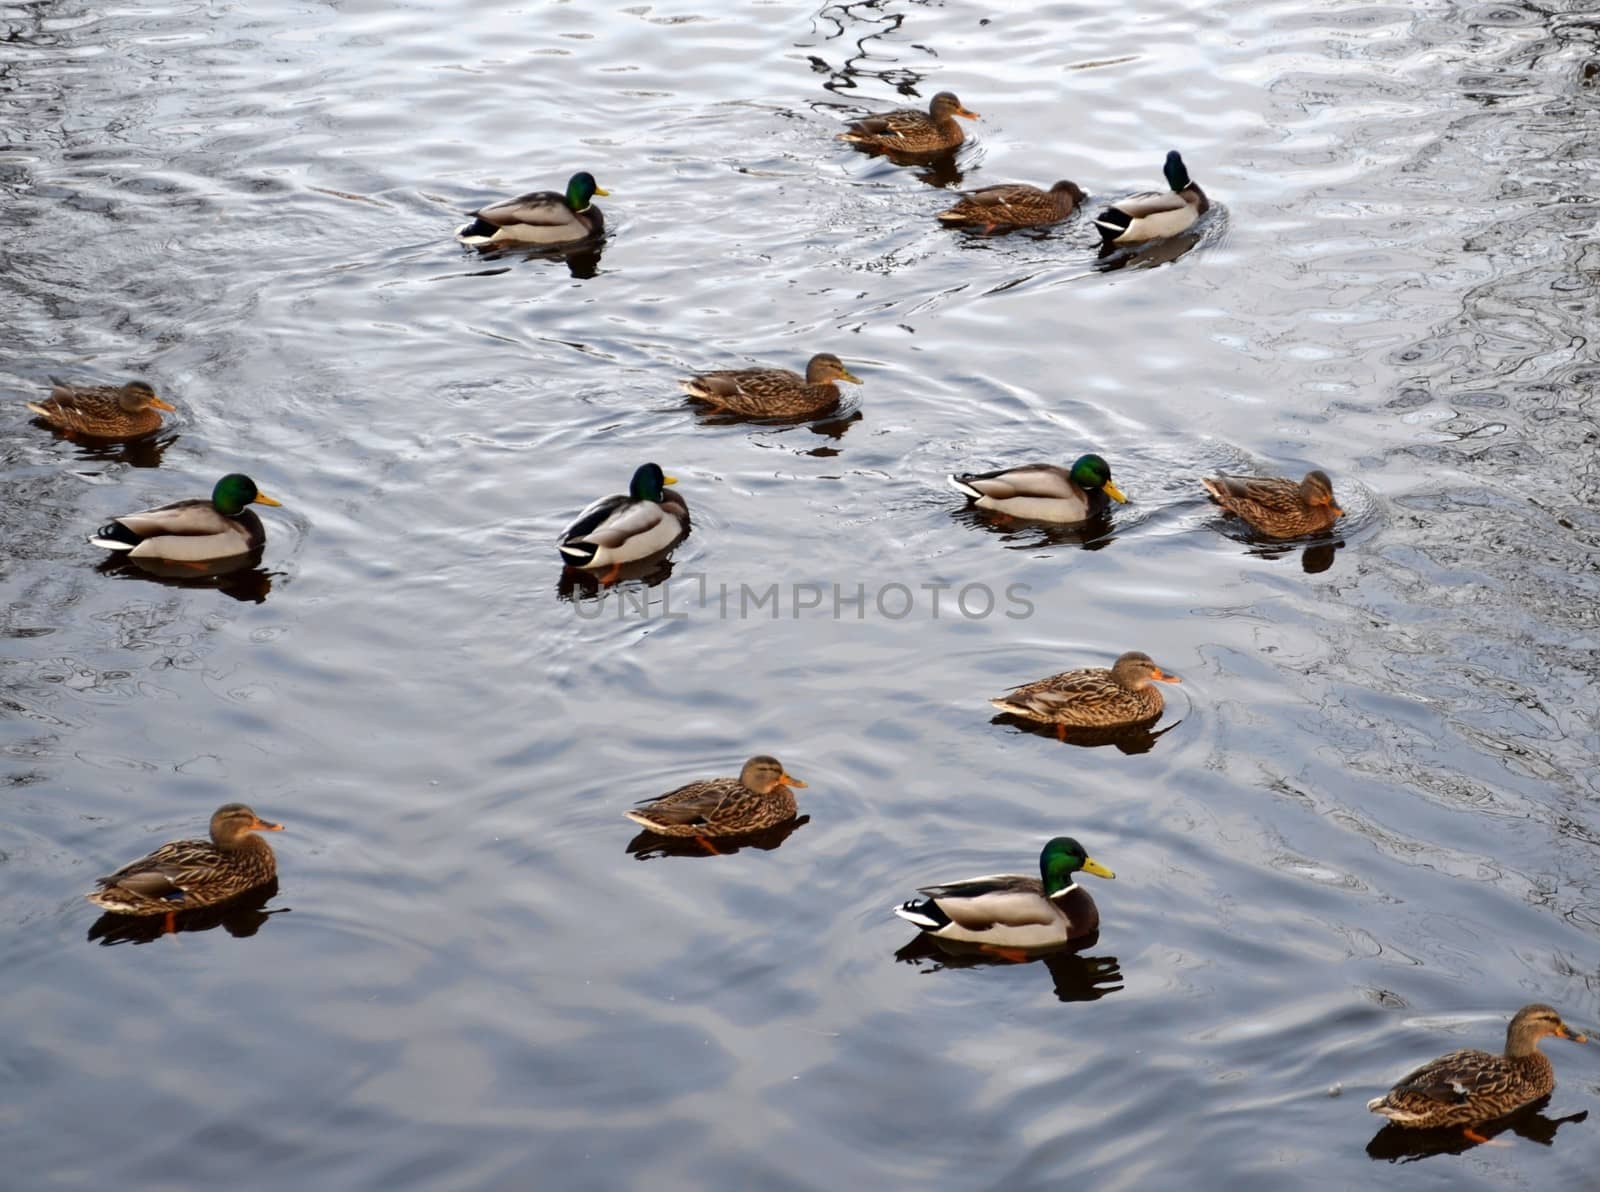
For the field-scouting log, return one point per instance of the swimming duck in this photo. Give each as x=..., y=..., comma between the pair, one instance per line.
x=103, y=411
x=623, y=529
x=186, y=874
x=1044, y=492
x=907, y=130
x=1011, y=913
x=1014, y=205
x=758, y=799
x=540, y=217
x=773, y=392
x=1153, y=213
x=193, y=531
x=1469, y=1086
x=1095, y=697
x=1276, y=505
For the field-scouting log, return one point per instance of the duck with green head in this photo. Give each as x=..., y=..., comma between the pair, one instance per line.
x=1154, y=214
x=539, y=217
x=192, y=531
x=620, y=528
x=1009, y=912
x=1044, y=492
x=103, y=411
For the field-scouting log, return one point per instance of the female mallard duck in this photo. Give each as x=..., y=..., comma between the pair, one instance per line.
x=1044, y=492
x=1014, y=205
x=541, y=217
x=1277, y=506
x=1094, y=697
x=186, y=874
x=910, y=131
x=623, y=529
x=193, y=531
x=103, y=411
x=1153, y=213
x=758, y=799
x=1469, y=1086
x=773, y=392
x=1007, y=912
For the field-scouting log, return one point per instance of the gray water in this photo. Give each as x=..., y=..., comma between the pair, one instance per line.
x=1368, y=836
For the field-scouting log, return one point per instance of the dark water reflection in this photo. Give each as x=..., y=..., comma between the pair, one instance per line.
x=240, y=917
x=1397, y=1145
x=1380, y=815
x=647, y=845
x=1074, y=976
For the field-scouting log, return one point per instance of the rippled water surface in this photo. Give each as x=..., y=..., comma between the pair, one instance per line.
x=1369, y=833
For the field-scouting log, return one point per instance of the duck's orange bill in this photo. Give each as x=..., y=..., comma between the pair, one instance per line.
x=967, y=114
x=1161, y=676
x=790, y=780
x=163, y=405
x=262, y=825
x=263, y=499
x=1566, y=1032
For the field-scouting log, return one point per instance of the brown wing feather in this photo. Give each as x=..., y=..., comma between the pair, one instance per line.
x=1088, y=698
x=1272, y=504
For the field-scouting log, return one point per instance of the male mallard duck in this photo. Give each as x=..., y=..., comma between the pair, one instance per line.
x=102, y=411
x=186, y=874
x=758, y=799
x=1153, y=213
x=773, y=392
x=1007, y=912
x=1014, y=205
x=910, y=131
x=541, y=217
x=622, y=529
x=1094, y=697
x=1044, y=492
x=1469, y=1086
x=193, y=531
x=1277, y=506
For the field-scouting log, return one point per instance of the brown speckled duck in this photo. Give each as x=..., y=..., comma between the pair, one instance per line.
x=1095, y=697
x=1277, y=506
x=1468, y=1087
x=773, y=392
x=760, y=798
x=1014, y=205
x=187, y=874
x=910, y=131
x=103, y=411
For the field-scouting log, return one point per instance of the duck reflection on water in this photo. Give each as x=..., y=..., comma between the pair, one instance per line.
x=242, y=578
x=1128, y=739
x=647, y=845
x=1076, y=977
x=1396, y=1144
x=240, y=917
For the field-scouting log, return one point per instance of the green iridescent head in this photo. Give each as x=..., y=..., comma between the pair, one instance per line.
x=647, y=483
x=581, y=188
x=236, y=490
x=1062, y=857
x=1090, y=472
x=1177, y=173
